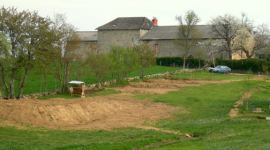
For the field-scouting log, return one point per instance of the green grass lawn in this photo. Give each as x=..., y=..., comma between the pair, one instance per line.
x=11, y=138
x=180, y=75
x=35, y=83
x=206, y=118
x=260, y=99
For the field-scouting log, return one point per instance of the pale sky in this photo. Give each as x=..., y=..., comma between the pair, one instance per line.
x=87, y=15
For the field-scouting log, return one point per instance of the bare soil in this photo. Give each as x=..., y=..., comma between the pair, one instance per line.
x=161, y=86
x=101, y=112
x=105, y=112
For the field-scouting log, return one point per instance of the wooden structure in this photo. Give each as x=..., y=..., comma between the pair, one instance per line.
x=77, y=88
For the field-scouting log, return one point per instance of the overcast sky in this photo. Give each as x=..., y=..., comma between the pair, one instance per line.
x=89, y=14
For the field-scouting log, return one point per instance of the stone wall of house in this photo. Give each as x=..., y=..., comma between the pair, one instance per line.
x=169, y=48
x=86, y=48
x=109, y=38
x=143, y=32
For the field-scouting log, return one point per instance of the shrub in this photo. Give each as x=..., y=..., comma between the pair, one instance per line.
x=178, y=61
x=123, y=61
x=99, y=65
x=254, y=65
x=145, y=57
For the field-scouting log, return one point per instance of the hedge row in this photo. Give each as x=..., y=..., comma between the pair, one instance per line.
x=252, y=65
x=178, y=62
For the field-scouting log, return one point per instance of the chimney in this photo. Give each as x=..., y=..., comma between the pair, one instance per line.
x=154, y=22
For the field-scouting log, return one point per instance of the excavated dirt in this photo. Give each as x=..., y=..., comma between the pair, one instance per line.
x=161, y=86
x=101, y=112
x=107, y=112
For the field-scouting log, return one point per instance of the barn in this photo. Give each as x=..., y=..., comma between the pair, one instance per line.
x=130, y=31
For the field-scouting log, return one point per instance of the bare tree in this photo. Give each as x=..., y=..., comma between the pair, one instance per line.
x=145, y=56
x=249, y=41
x=246, y=23
x=244, y=42
x=68, y=42
x=262, y=37
x=226, y=27
x=213, y=48
x=188, y=34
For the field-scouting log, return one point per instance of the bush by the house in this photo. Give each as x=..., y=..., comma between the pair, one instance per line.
x=254, y=65
x=178, y=62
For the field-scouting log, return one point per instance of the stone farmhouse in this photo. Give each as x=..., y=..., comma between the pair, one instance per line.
x=130, y=31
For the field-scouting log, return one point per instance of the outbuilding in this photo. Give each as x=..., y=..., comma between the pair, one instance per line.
x=77, y=88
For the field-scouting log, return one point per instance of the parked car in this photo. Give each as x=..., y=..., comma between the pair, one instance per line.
x=220, y=69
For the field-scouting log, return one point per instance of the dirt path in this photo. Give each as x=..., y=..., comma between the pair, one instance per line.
x=164, y=131
x=234, y=112
x=163, y=142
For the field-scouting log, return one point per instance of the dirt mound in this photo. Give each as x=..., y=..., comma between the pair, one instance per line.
x=161, y=86
x=103, y=112
x=91, y=113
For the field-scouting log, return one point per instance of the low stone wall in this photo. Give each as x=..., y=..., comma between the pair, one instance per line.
x=37, y=95
x=98, y=86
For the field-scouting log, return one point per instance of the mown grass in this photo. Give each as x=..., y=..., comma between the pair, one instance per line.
x=194, y=75
x=11, y=138
x=206, y=118
x=260, y=99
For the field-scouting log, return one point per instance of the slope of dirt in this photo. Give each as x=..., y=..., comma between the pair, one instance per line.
x=107, y=112
x=161, y=86
x=102, y=112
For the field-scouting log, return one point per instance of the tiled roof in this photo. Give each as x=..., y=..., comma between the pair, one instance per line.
x=172, y=32
x=127, y=23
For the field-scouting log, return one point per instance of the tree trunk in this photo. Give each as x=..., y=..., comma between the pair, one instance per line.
x=229, y=49
x=11, y=88
x=213, y=61
x=45, y=82
x=184, y=62
x=5, y=86
x=66, y=78
x=22, y=82
x=13, y=73
x=248, y=54
x=142, y=73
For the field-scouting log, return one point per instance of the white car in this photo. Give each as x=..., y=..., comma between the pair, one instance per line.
x=220, y=69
